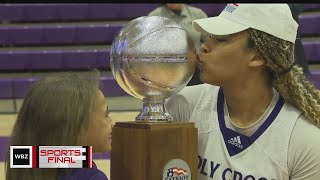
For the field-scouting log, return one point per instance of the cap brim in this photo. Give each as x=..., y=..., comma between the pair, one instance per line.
x=217, y=26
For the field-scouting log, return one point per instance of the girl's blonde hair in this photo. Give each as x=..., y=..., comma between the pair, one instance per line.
x=56, y=112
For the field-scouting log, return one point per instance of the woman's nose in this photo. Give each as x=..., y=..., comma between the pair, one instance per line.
x=204, y=48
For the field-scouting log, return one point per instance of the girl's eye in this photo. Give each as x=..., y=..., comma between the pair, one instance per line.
x=220, y=39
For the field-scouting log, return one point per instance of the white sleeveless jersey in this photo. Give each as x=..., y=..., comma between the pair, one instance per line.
x=224, y=154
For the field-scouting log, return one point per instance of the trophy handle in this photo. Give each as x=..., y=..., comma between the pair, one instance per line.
x=153, y=110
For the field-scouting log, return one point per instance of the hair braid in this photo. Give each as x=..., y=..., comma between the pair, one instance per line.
x=292, y=85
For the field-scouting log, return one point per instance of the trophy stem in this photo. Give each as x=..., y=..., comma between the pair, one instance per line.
x=153, y=111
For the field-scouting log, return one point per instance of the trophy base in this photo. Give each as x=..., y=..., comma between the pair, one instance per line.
x=153, y=111
x=141, y=151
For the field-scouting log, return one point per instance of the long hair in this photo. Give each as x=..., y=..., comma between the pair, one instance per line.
x=55, y=111
x=288, y=79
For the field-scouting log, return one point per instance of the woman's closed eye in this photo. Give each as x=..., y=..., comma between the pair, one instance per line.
x=219, y=39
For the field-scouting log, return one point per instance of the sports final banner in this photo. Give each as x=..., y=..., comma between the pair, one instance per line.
x=50, y=156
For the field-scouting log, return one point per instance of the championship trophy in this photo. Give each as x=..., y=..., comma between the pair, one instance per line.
x=153, y=58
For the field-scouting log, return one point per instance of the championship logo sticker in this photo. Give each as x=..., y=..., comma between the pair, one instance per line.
x=176, y=169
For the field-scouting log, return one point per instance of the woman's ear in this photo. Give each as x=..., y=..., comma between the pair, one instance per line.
x=256, y=60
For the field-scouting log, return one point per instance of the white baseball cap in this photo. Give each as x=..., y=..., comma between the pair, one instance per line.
x=274, y=19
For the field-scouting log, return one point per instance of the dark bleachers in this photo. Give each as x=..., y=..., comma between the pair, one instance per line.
x=67, y=12
x=210, y=9
x=54, y=59
x=6, y=88
x=72, y=11
x=312, y=51
x=18, y=87
x=315, y=78
x=310, y=24
x=101, y=33
x=58, y=34
x=105, y=11
x=22, y=35
x=12, y=12
x=311, y=6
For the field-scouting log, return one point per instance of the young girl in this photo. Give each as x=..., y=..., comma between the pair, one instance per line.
x=257, y=116
x=68, y=110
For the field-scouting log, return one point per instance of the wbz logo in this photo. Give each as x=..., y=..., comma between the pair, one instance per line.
x=21, y=156
x=236, y=142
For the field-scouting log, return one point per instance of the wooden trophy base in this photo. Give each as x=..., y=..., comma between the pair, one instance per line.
x=140, y=151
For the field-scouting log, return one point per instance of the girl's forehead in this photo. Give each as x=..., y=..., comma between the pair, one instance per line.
x=99, y=100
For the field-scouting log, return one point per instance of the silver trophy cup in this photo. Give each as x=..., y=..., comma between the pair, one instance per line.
x=152, y=58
